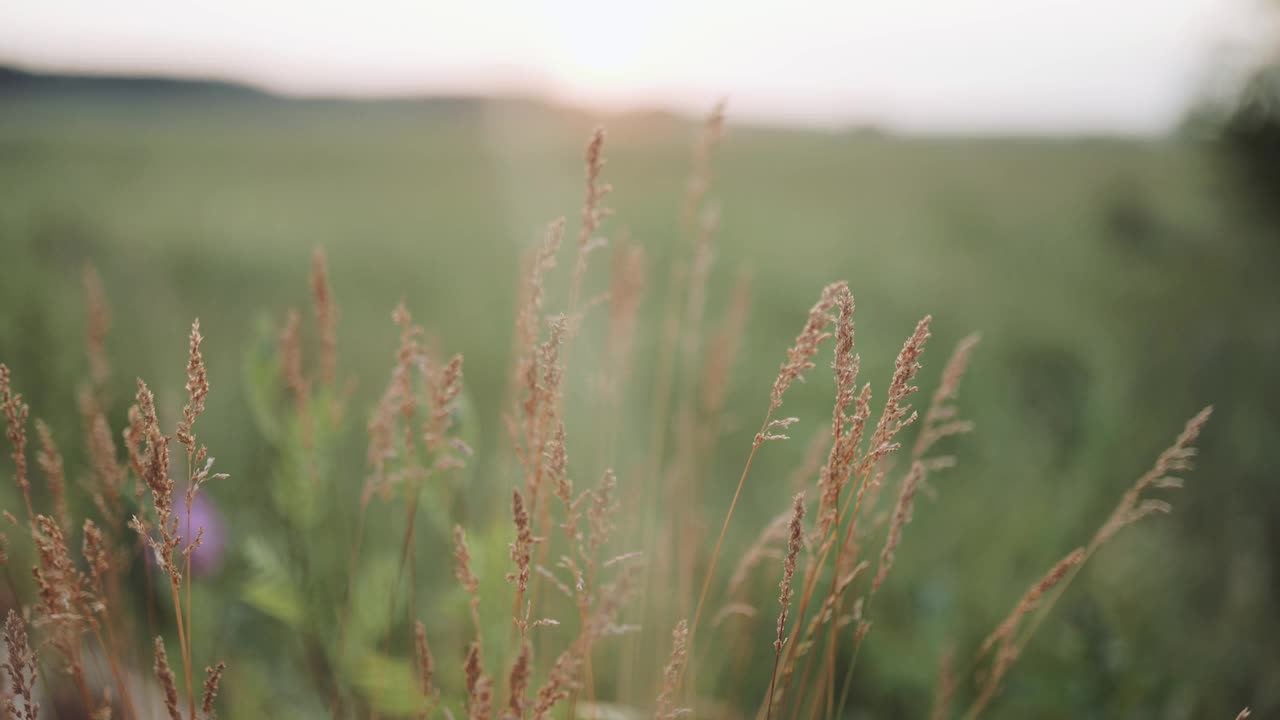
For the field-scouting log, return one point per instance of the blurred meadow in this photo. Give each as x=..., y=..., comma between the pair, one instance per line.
x=1119, y=285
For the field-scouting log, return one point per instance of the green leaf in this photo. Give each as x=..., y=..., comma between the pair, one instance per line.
x=271, y=590
x=392, y=682
x=262, y=384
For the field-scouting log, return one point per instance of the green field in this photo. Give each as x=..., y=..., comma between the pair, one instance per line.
x=1116, y=286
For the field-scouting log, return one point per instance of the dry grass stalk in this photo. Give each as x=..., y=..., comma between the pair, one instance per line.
x=529, y=314
x=213, y=677
x=699, y=183
x=1004, y=640
x=846, y=430
x=562, y=679
x=479, y=686
x=326, y=313
x=794, y=540
x=695, y=433
x=135, y=437
x=62, y=590
x=799, y=360
x=15, y=414
x=901, y=516
x=762, y=548
x=50, y=462
x=445, y=387
x=593, y=212
x=518, y=684
x=626, y=290
x=466, y=578
x=155, y=477
x=555, y=462
x=20, y=664
x=897, y=413
x=671, y=675
x=165, y=675
x=149, y=454
x=295, y=377
x=678, y=305
x=391, y=426
x=426, y=664
x=723, y=350
x=541, y=412
x=97, y=327
x=945, y=690
x=600, y=516
x=868, y=470
x=197, y=392
x=1176, y=458
x=800, y=355
x=95, y=554
x=825, y=615
x=940, y=420
x=696, y=300
x=108, y=474
x=521, y=552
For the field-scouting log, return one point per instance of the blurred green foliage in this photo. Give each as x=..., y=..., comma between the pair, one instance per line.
x=1117, y=284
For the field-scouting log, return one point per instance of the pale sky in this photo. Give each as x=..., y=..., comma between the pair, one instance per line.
x=1126, y=66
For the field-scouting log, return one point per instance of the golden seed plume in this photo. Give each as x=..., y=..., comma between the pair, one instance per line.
x=846, y=430
x=699, y=183
x=593, y=212
x=901, y=516
x=518, y=683
x=673, y=672
x=1004, y=639
x=426, y=663
x=165, y=675
x=97, y=326
x=50, y=462
x=197, y=391
x=897, y=413
x=15, y=414
x=626, y=290
x=213, y=677
x=945, y=691
x=326, y=313
x=20, y=664
x=1174, y=459
x=479, y=686
x=522, y=547
x=799, y=356
x=795, y=539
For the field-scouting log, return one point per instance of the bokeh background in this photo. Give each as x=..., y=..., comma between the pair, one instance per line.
x=1094, y=188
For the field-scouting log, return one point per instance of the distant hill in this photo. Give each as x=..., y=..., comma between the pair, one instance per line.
x=60, y=93
x=24, y=85
x=15, y=82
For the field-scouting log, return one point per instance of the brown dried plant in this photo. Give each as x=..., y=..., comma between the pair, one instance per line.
x=412, y=438
x=213, y=678
x=97, y=327
x=164, y=674
x=20, y=664
x=671, y=675
x=426, y=665
x=15, y=414
x=794, y=540
x=1007, y=642
x=799, y=360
